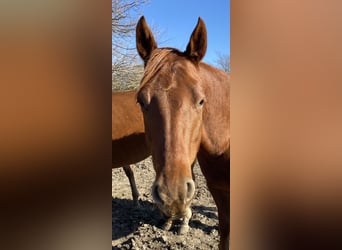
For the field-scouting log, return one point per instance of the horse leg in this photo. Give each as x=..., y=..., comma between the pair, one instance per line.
x=184, y=227
x=129, y=172
x=221, y=199
x=218, y=183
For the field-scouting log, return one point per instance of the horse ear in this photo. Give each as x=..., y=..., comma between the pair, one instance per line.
x=197, y=45
x=144, y=39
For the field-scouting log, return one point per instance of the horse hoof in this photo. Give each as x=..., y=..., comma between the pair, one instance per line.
x=136, y=203
x=183, y=229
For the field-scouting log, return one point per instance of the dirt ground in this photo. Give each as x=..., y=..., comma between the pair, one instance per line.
x=139, y=227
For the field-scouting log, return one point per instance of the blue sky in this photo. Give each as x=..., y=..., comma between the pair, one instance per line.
x=177, y=19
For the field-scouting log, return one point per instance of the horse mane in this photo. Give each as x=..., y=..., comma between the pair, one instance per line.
x=156, y=62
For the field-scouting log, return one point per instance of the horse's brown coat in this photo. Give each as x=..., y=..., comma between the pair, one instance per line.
x=128, y=137
x=186, y=109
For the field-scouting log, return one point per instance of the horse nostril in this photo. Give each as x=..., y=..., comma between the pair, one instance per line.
x=155, y=194
x=190, y=189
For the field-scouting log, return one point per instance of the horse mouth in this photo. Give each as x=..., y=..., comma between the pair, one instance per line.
x=173, y=216
x=173, y=212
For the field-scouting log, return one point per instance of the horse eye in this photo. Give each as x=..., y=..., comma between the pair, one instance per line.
x=201, y=102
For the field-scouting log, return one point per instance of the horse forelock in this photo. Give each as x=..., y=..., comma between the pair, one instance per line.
x=155, y=63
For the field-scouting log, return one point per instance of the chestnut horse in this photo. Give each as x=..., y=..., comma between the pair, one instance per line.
x=186, y=109
x=128, y=137
x=129, y=143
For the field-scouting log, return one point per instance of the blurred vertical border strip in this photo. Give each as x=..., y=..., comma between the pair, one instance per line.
x=55, y=151
x=286, y=175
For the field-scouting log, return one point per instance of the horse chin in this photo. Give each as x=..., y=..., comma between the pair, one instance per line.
x=173, y=212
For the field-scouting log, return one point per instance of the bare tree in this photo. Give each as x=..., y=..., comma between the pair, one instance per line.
x=125, y=14
x=223, y=62
x=125, y=72
x=127, y=69
x=126, y=76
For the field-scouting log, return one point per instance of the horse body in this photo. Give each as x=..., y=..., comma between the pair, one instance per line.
x=128, y=137
x=186, y=109
x=214, y=152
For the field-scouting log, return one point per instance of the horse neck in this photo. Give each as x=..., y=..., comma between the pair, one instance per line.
x=127, y=118
x=216, y=113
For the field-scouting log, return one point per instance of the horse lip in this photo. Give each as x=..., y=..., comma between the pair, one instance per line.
x=174, y=216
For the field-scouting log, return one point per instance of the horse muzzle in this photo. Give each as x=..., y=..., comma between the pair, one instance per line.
x=173, y=200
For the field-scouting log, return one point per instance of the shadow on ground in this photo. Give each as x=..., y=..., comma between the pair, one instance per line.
x=126, y=217
x=210, y=212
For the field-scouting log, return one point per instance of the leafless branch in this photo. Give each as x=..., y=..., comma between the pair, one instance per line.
x=223, y=62
x=126, y=70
